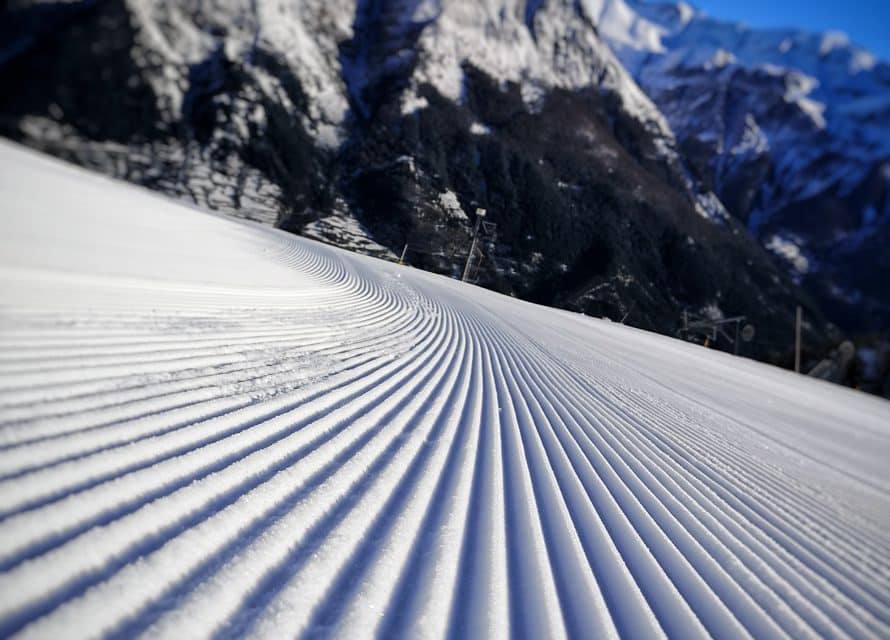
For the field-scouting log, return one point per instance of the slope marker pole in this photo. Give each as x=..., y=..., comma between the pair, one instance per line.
x=798, y=320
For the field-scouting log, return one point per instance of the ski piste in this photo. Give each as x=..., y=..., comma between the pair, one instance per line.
x=209, y=427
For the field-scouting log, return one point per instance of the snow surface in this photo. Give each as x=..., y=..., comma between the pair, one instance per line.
x=211, y=427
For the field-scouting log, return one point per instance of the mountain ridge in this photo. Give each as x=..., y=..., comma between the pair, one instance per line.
x=380, y=124
x=788, y=127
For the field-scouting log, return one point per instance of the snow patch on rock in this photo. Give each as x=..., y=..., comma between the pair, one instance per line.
x=786, y=248
x=450, y=204
x=479, y=129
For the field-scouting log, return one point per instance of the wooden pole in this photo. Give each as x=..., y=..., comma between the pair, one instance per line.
x=402, y=257
x=798, y=320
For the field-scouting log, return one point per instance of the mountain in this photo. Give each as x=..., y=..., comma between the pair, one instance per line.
x=790, y=129
x=259, y=436
x=383, y=124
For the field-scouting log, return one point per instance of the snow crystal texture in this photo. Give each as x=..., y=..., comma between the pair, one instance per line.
x=213, y=428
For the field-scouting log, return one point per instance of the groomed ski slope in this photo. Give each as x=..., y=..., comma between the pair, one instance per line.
x=213, y=428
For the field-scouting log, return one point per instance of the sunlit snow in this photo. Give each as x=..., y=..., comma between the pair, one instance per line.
x=209, y=427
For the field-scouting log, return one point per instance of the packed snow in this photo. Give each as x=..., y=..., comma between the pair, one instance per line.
x=209, y=427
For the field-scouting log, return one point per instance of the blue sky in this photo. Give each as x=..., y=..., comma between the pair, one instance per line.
x=867, y=22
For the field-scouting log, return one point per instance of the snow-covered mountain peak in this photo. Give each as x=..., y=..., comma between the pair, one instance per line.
x=788, y=126
x=634, y=27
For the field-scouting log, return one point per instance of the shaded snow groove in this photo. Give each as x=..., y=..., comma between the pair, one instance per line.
x=311, y=443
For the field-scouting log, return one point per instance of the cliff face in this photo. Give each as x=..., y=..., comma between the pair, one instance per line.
x=385, y=123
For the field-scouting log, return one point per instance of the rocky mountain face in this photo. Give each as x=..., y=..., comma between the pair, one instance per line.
x=790, y=129
x=376, y=124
